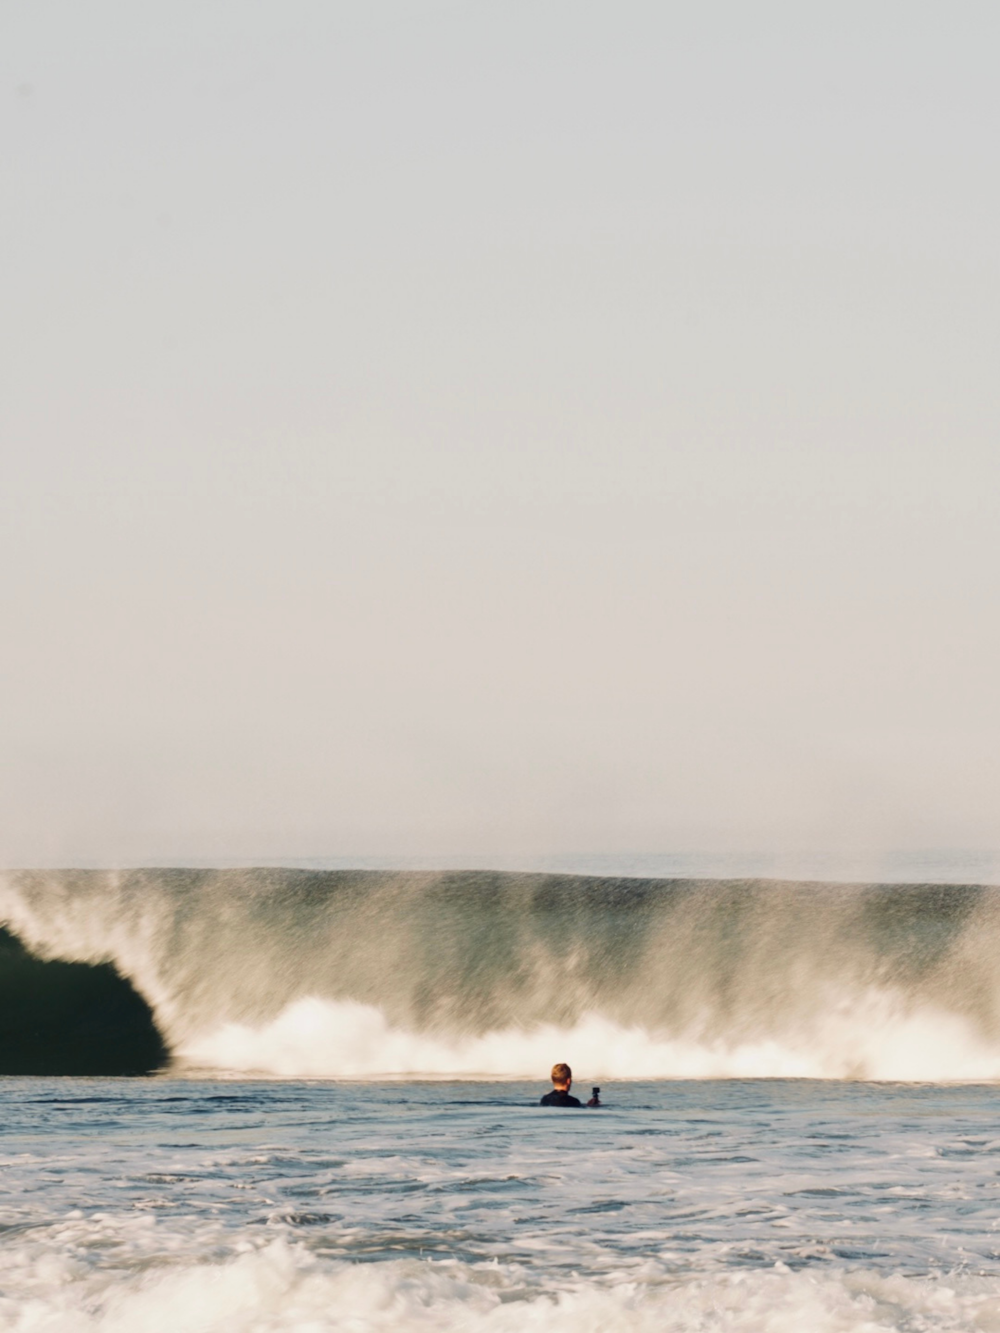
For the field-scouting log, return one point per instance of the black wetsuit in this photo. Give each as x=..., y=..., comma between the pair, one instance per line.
x=559, y=1098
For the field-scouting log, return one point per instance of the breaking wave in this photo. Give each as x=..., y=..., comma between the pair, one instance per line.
x=365, y=973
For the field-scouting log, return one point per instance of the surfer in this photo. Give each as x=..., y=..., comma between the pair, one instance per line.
x=562, y=1081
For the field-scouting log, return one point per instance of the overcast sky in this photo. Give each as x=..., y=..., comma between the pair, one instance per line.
x=474, y=429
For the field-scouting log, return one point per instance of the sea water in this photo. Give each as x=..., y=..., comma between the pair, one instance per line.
x=177, y=1204
x=339, y=1126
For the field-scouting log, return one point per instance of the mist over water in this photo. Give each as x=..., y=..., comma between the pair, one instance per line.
x=457, y=973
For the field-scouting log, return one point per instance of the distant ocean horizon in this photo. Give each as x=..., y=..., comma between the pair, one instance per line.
x=932, y=865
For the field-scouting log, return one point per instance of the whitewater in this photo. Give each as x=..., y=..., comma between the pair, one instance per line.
x=332, y=1121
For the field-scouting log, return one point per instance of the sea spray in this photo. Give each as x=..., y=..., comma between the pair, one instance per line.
x=364, y=973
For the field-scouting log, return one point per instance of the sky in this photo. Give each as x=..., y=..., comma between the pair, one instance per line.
x=474, y=430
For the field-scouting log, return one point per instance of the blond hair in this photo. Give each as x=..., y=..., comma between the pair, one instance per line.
x=561, y=1073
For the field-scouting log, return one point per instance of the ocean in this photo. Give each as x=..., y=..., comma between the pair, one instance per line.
x=272, y=1099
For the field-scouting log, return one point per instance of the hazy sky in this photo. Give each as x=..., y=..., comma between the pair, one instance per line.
x=466, y=428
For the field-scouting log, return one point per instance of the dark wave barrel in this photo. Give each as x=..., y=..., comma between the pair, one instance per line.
x=72, y=1018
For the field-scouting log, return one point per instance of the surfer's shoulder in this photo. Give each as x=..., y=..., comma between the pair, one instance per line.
x=557, y=1098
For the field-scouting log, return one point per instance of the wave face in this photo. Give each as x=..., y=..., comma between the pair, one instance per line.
x=370, y=973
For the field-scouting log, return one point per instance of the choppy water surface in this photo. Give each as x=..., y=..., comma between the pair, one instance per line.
x=177, y=1204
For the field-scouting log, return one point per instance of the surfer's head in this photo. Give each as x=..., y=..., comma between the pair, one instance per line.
x=562, y=1077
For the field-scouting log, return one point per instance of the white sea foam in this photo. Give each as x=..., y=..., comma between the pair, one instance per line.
x=874, y=1035
x=283, y=1286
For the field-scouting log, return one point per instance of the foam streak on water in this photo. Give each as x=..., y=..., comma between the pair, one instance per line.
x=168, y=1204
